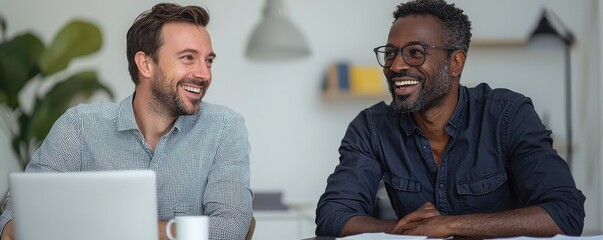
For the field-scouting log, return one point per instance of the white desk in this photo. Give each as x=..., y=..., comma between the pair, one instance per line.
x=295, y=223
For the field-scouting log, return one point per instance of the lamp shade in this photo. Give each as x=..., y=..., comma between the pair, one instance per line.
x=547, y=31
x=544, y=27
x=276, y=37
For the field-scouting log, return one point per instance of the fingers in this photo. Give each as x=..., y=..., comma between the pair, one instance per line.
x=401, y=228
x=427, y=205
x=412, y=220
x=425, y=211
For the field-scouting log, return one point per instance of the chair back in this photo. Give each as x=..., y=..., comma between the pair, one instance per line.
x=251, y=229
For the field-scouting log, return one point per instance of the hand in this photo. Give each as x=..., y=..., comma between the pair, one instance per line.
x=8, y=233
x=161, y=228
x=425, y=221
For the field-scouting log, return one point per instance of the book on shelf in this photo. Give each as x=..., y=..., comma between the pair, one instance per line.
x=355, y=80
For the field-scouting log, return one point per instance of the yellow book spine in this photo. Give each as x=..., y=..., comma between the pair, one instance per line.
x=366, y=80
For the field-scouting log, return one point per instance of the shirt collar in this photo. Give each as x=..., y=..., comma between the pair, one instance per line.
x=457, y=117
x=126, y=120
x=407, y=122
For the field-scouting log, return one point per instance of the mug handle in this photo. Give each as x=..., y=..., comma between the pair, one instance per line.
x=168, y=231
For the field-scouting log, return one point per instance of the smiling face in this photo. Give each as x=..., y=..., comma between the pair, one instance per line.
x=422, y=87
x=182, y=73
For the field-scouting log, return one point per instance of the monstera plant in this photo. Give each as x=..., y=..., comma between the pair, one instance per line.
x=27, y=65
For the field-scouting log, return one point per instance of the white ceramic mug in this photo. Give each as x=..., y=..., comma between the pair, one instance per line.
x=189, y=228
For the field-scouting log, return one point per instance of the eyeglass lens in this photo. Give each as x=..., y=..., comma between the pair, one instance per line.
x=413, y=55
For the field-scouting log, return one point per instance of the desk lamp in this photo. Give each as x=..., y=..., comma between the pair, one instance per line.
x=551, y=32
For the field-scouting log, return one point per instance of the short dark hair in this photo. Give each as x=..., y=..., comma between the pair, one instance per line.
x=455, y=22
x=145, y=33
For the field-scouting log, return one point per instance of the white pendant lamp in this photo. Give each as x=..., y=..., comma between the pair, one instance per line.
x=276, y=37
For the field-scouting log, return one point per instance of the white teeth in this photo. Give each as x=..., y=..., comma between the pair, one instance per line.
x=192, y=89
x=406, y=83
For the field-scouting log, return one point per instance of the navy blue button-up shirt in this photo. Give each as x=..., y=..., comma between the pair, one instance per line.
x=499, y=157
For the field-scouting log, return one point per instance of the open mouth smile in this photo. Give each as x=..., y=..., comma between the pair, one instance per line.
x=191, y=89
x=406, y=83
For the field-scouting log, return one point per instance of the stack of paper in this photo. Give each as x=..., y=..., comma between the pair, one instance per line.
x=382, y=236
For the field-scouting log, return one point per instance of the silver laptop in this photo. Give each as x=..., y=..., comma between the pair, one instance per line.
x=84, y=205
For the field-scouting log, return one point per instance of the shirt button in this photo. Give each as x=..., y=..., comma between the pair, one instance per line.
x=486, y=185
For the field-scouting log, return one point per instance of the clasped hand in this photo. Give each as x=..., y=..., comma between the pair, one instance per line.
x=425, y=221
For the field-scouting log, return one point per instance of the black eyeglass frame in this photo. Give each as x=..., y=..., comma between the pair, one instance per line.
x=399, y=52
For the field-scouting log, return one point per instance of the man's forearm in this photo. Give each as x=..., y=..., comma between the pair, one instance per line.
x=531, y=221
x=364, y=224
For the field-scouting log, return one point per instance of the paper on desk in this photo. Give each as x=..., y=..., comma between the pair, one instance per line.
x=564, y=237
x=557, y=237
x=381, y=236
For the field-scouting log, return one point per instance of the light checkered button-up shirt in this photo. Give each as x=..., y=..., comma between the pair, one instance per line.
x=202, y=163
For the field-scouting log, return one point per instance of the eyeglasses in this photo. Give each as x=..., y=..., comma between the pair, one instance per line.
x=413, y=55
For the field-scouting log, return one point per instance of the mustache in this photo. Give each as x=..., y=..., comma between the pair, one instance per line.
x=406, y=73
x=195, y=81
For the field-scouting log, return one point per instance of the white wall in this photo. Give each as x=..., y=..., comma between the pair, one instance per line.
x=595, y=167
x=293, y=131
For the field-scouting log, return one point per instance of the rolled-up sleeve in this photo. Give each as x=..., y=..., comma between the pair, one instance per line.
x=541, y=176
x=352, y=187
x=227, y=198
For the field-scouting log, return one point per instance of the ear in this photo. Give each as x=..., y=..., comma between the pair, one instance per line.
x=144, y=64
x=457, y=63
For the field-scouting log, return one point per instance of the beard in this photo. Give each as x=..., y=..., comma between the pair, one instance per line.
x=166, y=99
x=430, y=95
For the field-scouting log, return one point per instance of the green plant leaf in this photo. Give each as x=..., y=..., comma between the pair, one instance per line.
x=16, y=144
x=3, y=97
x=62, y=96
x=77, y=38
x=25, y=60
x=20, y=143
x=2, y=27
x=19, y=59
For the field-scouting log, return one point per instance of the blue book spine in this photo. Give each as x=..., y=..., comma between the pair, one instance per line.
x=343, y=73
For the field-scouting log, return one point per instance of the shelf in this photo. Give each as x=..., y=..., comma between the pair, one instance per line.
x=498, y=42
x=348, y=96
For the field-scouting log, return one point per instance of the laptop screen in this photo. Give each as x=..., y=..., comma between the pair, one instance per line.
x=84, y=205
